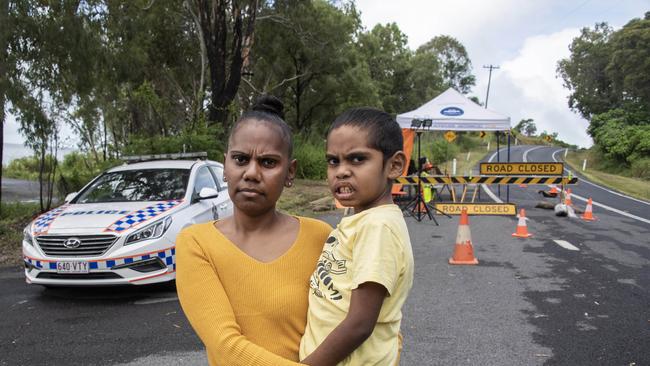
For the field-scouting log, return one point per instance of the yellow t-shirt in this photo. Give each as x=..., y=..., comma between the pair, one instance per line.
x=371, y=246
x=246, y=312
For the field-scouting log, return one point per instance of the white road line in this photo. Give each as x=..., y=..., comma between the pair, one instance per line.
x=155, y=300
x=529, y=150
x=566, y=245
x=491, y=194
x=598, y=204
x=627, y=214
x=485, y=187
x=603, y=188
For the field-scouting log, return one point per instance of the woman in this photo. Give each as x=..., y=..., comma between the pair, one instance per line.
x=243, y=281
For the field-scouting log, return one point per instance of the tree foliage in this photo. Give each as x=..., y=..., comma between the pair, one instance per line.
x=453, y=60
x=144, y=76
x=608, y=74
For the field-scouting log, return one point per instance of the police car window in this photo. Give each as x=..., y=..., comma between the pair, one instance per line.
x=218, y=173
x=204, y=180
x=137, y=185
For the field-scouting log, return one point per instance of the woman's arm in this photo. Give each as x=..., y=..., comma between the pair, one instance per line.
x=208, y=309
x=365, y=304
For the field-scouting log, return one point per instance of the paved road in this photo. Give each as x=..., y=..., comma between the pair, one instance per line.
x=528, y=302
x=599, y=310
x=19, y=190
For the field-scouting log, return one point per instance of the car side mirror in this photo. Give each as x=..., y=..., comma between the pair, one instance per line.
x=207, y=193
x=70, y=196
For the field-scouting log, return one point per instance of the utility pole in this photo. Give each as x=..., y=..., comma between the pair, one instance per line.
x=487, y=95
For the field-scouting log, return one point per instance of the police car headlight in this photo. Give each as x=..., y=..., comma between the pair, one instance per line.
x=27, y=235
x=152, y=231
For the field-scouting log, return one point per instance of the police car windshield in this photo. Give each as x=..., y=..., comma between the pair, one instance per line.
x=137, y=185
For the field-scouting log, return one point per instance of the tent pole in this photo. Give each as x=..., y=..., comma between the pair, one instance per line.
x=508, y=186
x=498, y=185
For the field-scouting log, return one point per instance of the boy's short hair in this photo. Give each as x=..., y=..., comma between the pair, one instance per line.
x=384, y=133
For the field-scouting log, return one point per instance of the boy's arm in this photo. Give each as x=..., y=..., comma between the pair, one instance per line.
x=207, y=307
x=365, y=304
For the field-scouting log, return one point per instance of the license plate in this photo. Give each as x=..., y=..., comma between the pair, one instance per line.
x=72, y=267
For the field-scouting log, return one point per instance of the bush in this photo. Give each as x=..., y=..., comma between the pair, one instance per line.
x=309, y=151
x=440, y=151
x=466, y=141
x=77, y=169
x=208, y=139
x=26, y=167
x=13, y=219
x=641, y=168
x=12, y=211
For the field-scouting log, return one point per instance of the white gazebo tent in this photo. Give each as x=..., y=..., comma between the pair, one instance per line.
x=452, y=111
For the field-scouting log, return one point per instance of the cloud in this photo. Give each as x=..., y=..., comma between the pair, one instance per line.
x=472, y=22
x=526, y=86
x=522, y=37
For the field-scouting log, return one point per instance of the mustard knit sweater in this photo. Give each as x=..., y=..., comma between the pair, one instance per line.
x=245, y=311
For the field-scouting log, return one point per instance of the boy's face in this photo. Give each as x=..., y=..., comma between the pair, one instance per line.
x=356, y=173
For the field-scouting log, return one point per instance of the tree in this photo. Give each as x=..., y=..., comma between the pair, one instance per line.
x=522, y=126
x=584, y=72
x=454, y=62
x=47, y=46
x=4, y=71
x=607, y=73
x=305, y=54
x=629, y=62
x=385, y=50
x=220, y=22
x=530, y=129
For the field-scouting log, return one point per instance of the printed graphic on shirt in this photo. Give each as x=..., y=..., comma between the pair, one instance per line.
x=321, y=281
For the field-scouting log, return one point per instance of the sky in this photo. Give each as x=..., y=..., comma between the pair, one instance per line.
x=525, y=39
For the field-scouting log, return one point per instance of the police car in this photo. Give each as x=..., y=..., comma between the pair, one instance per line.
x=121, y=227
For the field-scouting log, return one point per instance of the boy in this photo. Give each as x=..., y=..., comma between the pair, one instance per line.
x=365, y=271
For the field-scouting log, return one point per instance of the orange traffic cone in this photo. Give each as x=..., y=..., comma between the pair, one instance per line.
x=463, y=250
x=588, y=215
x=522, y=229
x=553, y=190
x=567, y=197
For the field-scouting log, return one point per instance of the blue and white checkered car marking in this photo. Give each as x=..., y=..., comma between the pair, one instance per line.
x=168, y=256
x=137, y=217
x=43, y=222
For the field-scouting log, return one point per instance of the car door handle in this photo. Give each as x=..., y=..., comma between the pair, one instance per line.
x=223, y=206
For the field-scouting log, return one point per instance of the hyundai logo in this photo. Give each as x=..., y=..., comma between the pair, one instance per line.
x=72, y=243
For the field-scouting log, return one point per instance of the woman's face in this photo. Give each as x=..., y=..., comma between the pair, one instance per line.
x=257, y=166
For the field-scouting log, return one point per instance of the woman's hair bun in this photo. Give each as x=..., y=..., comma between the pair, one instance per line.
x=269, y=104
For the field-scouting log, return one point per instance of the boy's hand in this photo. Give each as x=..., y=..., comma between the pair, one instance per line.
x=365, y=305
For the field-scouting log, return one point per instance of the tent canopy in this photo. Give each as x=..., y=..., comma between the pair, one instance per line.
x=453, y=111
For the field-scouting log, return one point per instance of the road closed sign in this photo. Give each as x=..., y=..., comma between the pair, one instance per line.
x=522, y=168
x=504, y=209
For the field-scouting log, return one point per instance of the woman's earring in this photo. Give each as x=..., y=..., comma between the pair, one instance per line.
x=289, y=183
x=224, y=179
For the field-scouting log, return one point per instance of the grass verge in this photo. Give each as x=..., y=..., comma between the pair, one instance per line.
x=466, y=165
x=13, y=219
x=296, y=200
x=634, y=187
